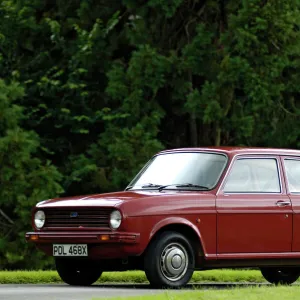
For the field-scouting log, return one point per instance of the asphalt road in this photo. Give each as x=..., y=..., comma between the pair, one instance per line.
x=65, y=292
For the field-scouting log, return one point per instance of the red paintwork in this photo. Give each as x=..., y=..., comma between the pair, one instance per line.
x=231, y=227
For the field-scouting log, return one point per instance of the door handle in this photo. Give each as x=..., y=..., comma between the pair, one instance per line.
x=283, y=203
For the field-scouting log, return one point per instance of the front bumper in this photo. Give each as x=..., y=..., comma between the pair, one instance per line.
x=83, y=237
x=101, y=245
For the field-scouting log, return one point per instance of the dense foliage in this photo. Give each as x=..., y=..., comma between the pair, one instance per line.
x=90, y=90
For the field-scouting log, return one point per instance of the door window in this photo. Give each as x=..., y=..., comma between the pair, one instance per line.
x=253, y=175
x=292, y=168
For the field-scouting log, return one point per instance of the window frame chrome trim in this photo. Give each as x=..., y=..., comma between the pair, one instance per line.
x=284, y=157
x=226, y=165
x=252, y=156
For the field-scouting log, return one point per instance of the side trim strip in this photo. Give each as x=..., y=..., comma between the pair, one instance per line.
x=257, y=255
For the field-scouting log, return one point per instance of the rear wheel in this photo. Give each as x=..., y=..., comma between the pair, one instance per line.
x=77, y=272
x=169, y=260
x=281, y=275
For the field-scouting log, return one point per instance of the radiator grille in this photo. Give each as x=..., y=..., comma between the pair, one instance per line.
x=76, y=217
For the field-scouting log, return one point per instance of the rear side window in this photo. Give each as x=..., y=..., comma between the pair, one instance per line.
x=292, y=168
x=253, y=175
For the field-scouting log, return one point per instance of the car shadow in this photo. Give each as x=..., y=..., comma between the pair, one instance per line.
x=193, y=286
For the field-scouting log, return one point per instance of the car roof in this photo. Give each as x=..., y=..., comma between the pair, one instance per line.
x=237, y=150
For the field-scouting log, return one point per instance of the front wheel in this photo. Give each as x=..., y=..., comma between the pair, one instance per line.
x=281, y=275
x=169, y=260
x=77, y=272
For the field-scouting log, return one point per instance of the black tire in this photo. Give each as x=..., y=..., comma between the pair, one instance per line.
x=175, y=272
x=78, y=272
x=279, y=275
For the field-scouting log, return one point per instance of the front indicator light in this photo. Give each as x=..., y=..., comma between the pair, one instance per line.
x=34, y=237
x=103, y=237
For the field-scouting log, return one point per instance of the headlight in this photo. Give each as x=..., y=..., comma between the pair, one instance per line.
x=39, y=219
x=115, y=219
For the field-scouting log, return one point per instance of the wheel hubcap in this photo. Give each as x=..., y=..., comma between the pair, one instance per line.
x=174, y=262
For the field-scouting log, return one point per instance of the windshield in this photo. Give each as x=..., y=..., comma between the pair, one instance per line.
x=181, y=170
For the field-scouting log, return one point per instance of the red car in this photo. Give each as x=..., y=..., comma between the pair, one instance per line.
x=186, y=210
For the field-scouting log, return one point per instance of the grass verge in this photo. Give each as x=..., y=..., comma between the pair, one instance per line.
x=33, y=277
x=251, y=293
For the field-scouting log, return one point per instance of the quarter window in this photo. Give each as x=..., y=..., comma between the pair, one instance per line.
x=292, y=168
x=253, y=175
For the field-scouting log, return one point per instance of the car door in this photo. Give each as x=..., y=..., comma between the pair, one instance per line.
x=254, y=213
x=292, y=175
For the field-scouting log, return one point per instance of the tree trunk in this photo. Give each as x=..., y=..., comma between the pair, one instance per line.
x=193, y=130
x=218, y=135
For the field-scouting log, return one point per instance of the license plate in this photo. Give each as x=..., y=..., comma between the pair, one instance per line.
x=70, y=250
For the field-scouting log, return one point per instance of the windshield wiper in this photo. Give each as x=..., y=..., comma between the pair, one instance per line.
x=183, y=185
x=152, y=185
x=144, y=186
x=176, y=185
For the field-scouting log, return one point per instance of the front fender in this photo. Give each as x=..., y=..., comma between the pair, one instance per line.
x=177, y=221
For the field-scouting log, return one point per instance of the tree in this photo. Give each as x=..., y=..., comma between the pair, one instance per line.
x=24, y=179
x=233, y=64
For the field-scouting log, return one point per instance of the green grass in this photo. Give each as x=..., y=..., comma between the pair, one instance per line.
x=252, y=293
x=7, y=277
